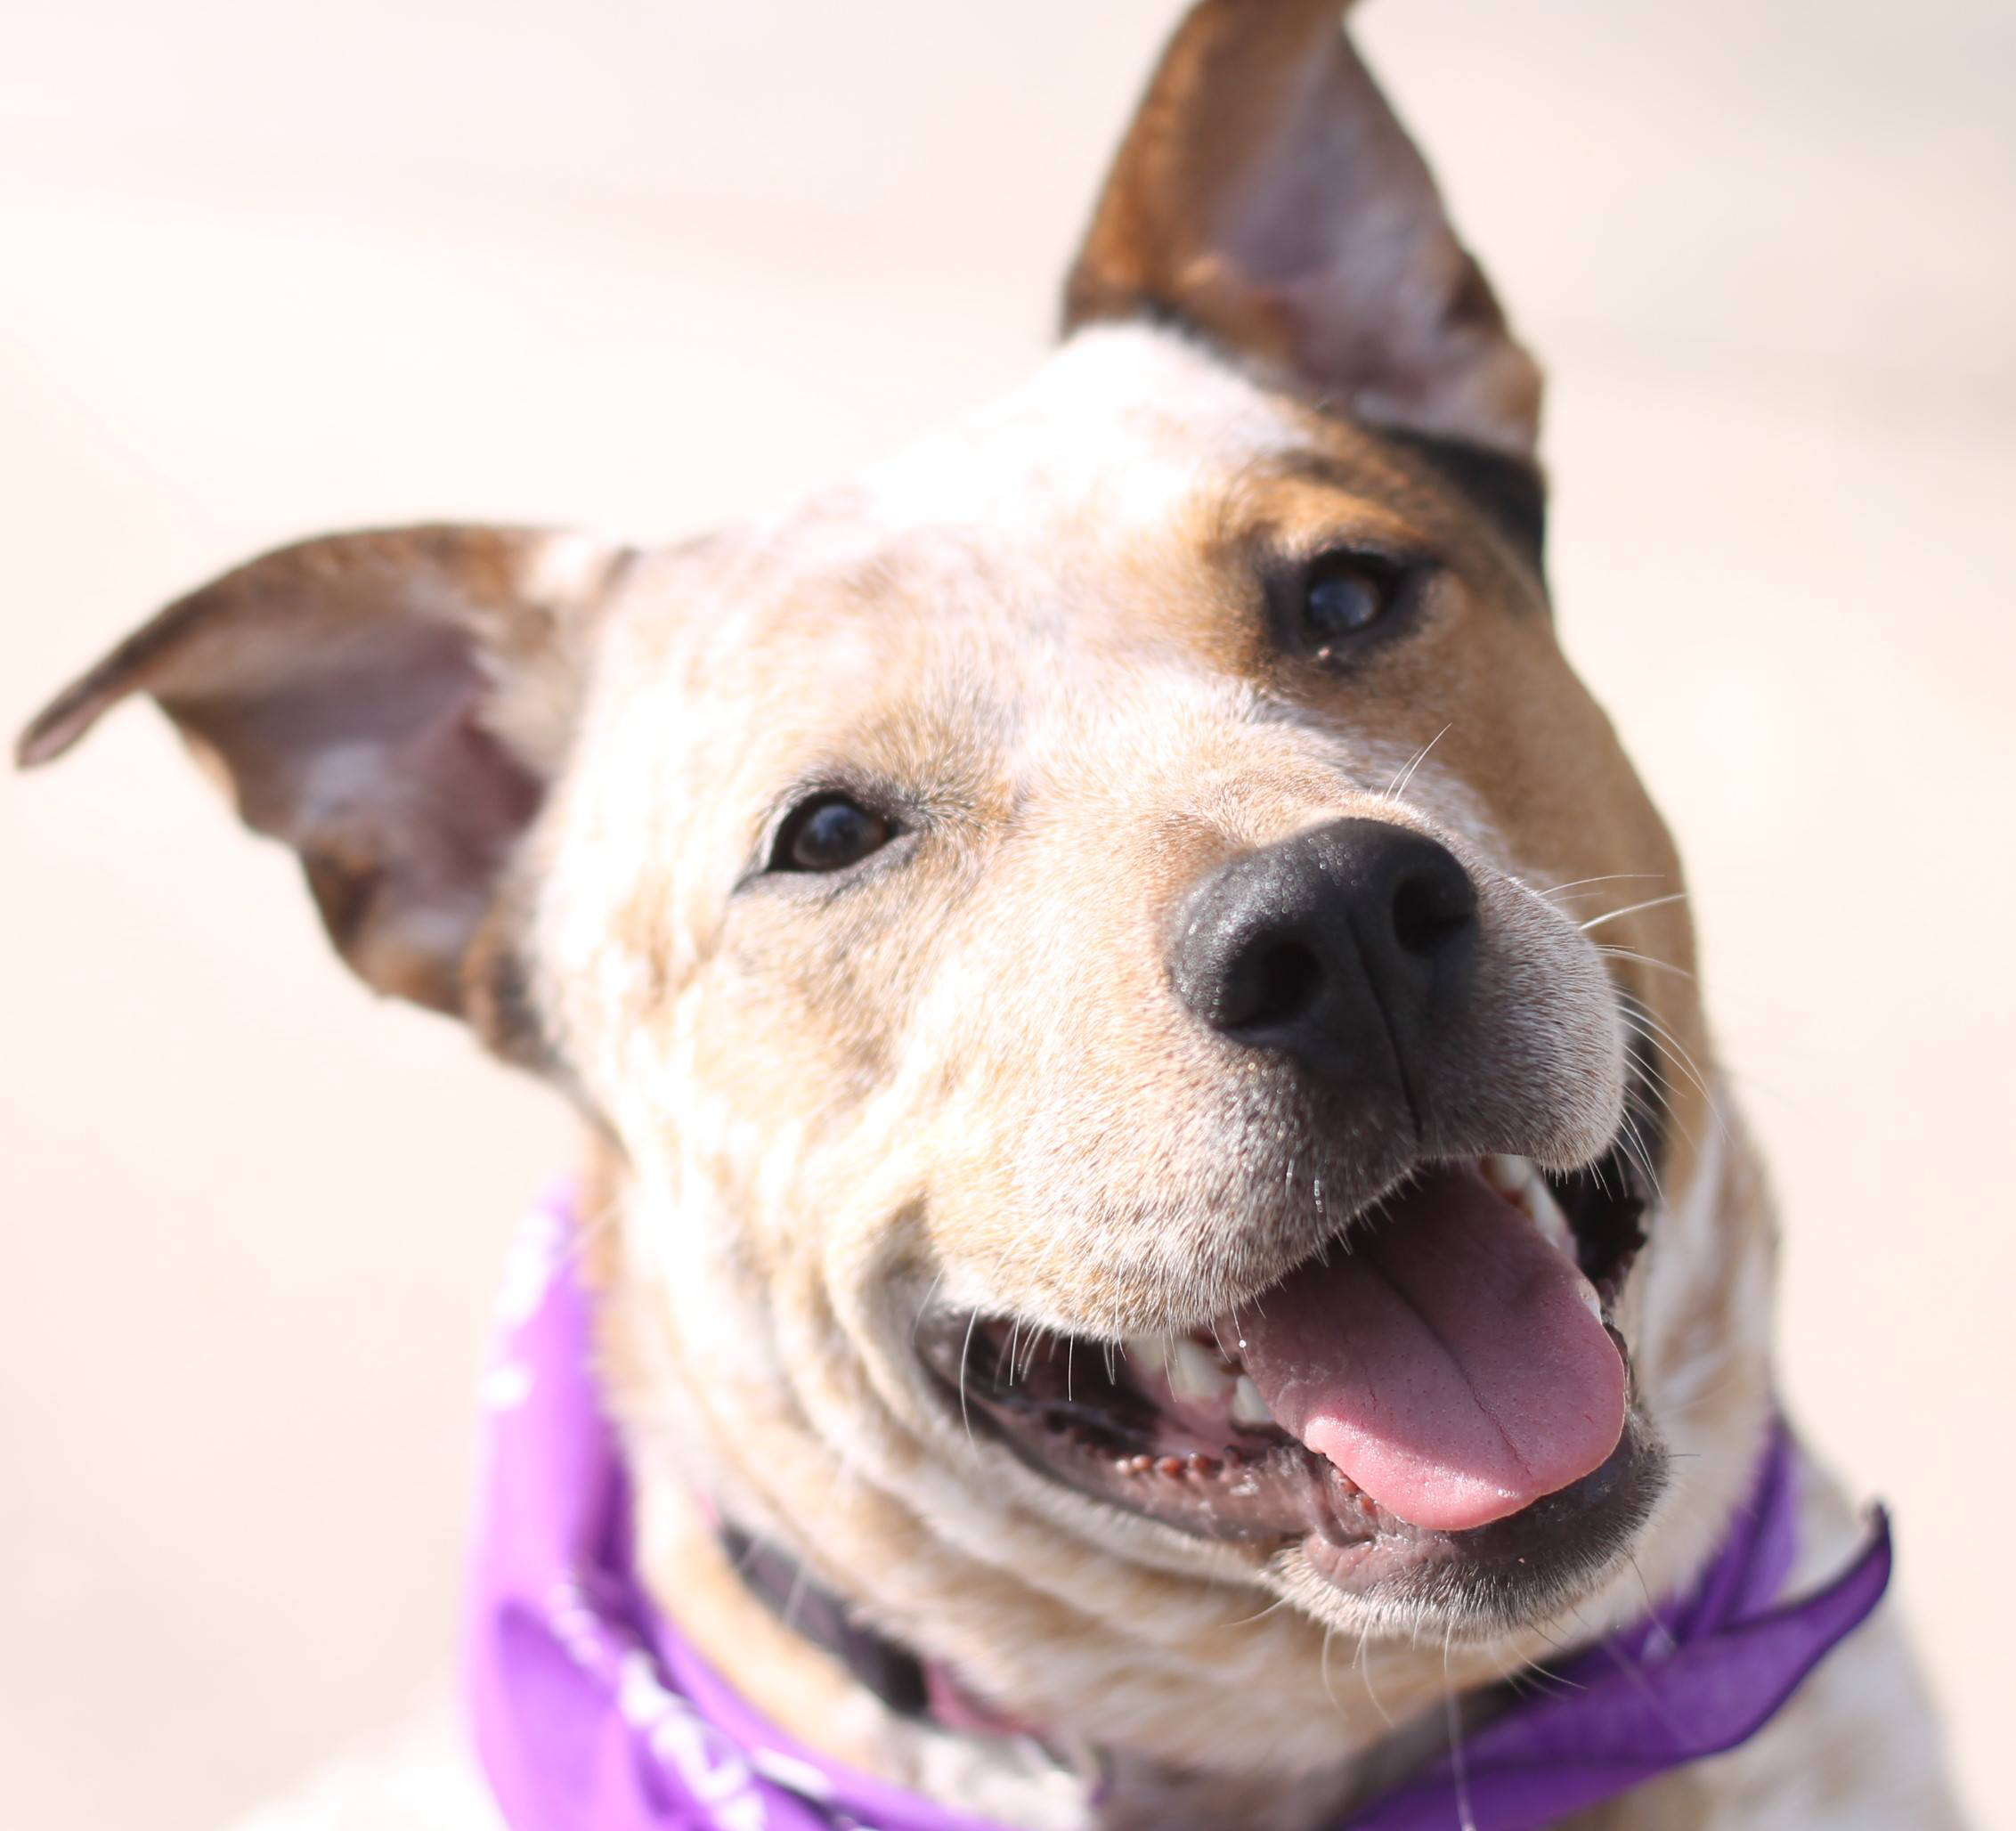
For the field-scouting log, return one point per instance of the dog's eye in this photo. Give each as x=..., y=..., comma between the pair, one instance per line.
x=1342, y=595
x=828, y=833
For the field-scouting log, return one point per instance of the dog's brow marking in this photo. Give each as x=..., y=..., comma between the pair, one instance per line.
x=1365, y=481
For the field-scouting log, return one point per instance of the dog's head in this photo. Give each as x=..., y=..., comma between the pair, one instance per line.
x=1143, y=1016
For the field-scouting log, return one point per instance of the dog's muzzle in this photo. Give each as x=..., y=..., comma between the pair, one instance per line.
x=1436, y=1378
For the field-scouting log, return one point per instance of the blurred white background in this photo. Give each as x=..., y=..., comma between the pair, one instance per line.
x=272, y=268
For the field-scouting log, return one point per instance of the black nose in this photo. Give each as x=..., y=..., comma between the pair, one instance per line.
x=1333, y=948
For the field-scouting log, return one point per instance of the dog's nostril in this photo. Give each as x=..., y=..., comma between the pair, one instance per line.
x=1281, y=982
x=1430, y=909
x=1329, y=946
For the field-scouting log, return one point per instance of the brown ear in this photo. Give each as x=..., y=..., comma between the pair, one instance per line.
x=392, y=705
x=1266, y=196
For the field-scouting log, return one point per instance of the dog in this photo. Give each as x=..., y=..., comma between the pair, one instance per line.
x=1161, y=1228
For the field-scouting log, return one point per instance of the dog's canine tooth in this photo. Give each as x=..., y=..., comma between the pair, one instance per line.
x=1195, y=1373
x=1248, y=1408
x=1507, y=1175
x=1519, y=1181
x=1547, y=1216
x=1151, y=1354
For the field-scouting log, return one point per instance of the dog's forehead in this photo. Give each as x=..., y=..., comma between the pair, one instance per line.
x=1042, y=597
x=1061, y=514
x=1123, y=423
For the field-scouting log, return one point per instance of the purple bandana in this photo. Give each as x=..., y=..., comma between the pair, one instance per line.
x=591, y=1713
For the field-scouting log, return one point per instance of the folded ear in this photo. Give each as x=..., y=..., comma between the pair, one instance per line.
x=1266, y=196
x=393, y=705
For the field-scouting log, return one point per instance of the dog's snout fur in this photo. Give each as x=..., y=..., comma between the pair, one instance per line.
x=1345, y=949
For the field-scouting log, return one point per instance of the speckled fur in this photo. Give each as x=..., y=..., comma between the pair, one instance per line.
x=960, y=1077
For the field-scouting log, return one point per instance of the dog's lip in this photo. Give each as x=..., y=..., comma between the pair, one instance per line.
x=1138, y=1441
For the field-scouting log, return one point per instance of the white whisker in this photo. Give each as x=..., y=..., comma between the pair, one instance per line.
x=1637, y=1017
x=1247, y=1620
x=1459, y=1773
x=1363, y=1662
x=1678, y=896
x=1610, y=952
x=1554, y=890
x=965, y=1349
x=1399, y=784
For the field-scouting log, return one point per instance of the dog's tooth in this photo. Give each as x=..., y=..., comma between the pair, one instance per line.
x=1547, y=1218
x=1507, y=1175
x=1248, y=1408
x=1519, y=1181
x=1151, y=1353
x=1195, y=1375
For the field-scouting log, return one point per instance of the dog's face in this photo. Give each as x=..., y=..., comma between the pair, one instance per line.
x=1140, y=1012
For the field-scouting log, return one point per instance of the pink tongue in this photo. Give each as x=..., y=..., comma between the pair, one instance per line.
x=1446, y=1364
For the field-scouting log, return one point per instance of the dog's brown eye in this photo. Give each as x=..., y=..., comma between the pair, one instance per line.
x=1343, y=595
x=829, y=833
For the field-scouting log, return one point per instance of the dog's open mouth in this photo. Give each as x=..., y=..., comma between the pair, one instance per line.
x=1448, y=1379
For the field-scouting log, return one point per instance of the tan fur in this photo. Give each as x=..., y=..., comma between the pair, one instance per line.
x=964, y=1083
x=899, y=1150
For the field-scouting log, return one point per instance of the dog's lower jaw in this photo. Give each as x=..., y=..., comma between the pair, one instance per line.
x=1198, y=1692
x=1175, y=1665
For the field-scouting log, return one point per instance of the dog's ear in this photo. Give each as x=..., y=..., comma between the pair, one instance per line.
x=393, y=705
x=1266, y=197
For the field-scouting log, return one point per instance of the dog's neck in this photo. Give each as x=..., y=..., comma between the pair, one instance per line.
x=929, y=1698
x=801, y=1653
